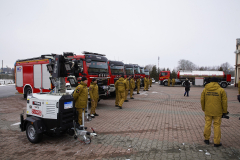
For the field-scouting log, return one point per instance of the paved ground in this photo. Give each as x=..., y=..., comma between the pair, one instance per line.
x=7, y=90
x=158, y=124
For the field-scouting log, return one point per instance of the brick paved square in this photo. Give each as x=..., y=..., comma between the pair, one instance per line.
x=158, y=124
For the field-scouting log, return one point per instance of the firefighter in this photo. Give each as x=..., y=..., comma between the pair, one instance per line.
x=94, y=96
x=138, y=84
x=173, y=82
x=132, y=86
x=214, y=104
x=145, y=83
x=239, y=86
x=117, y=96
x=121, y=87
x=169, y=81
x=127, y=89
x=150, y=80
x=80, y=96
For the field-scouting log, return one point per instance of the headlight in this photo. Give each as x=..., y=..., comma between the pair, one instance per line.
x=105, y=87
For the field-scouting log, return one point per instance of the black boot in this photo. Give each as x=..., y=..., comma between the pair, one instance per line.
x=138, y=93
x=132, y=98
x=96, y=114
x=206, y=141
x=116, y=105
x=217, y=145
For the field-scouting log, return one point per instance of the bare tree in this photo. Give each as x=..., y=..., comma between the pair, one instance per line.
x=226, y=67
x=186, y=65
x=149, y=67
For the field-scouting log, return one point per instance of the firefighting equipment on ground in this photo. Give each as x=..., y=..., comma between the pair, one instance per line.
x=80, y=96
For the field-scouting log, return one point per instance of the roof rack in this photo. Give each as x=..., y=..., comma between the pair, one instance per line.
x=97, y=54
x=36, y=58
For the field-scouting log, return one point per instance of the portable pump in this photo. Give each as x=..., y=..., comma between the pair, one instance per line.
x=54, y=112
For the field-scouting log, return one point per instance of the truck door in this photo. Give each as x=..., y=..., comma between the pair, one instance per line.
x=19, y=76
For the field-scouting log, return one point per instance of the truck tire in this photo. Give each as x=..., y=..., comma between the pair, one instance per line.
x=28, y=91
x=32, y=134
x=224, y=85
x=165, y=83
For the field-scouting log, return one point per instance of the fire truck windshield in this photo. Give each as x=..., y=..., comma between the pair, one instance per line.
x=137, y=70
x=129, y=71
x=147, y=73
x=97, y=67
x=164, y=73
x=142, y=71
x=117, y=70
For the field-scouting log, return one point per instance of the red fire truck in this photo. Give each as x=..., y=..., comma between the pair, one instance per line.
x=32, y=76
x=223, y=80
x=116, y=70
x=95, y=65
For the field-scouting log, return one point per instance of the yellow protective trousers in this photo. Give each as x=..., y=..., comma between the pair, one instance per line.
x=117, y=98
x=126, y=94
x=80, y=110
x=131, y=93
x=238, y=90
x=121, y=96
x=216, y=125
x=145, y=87
x=93, y=106
x=138, y=89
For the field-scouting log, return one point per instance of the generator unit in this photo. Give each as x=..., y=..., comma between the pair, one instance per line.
x=54, y=112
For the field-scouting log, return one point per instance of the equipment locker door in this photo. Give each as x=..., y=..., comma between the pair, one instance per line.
x=19, y=76
x=46, y=84
x=37, y=72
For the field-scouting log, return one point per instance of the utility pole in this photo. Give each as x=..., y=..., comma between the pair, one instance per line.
x=158, y=65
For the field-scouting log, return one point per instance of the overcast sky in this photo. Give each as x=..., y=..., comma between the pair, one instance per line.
x=135, y=31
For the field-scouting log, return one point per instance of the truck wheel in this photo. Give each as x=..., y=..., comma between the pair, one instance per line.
x=32, y=134
x=224, y=85
x=28, y=91
x=165, y=83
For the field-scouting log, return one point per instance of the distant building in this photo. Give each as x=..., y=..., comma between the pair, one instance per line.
x=237, y=64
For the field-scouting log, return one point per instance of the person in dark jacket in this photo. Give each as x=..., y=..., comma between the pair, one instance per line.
x=187, y=87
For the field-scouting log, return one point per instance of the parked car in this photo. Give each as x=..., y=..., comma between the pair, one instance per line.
x=153, y=80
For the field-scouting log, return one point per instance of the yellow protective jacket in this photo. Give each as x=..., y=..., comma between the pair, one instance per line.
x=121, y=85
x=145, y=80
x=80, y=96
x=93, y=91
x=127, y=83
x=132, y=84
x=150, y=81
x=214, y=100
x=138, y=82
